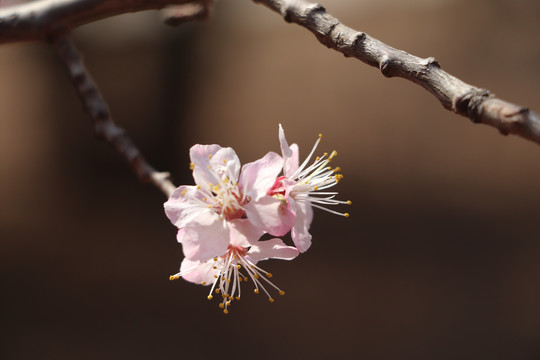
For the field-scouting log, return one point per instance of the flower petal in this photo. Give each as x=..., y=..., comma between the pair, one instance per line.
x=272, y=215
x=273, y=248
x=205, y=236
x=300, y=231
x=290, y=154
x=198, y=272
x=258, y=177
x=179, y=208
x=244, y=233
x=225, y=162
x=200, y=156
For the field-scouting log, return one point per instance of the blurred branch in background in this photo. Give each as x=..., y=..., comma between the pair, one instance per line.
x=104, y=127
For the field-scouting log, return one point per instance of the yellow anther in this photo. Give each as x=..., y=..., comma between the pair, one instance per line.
x=224, y=161
x=346, y=214
x=325, y=154
x=316, y=188
x=173, y=277
x=225, y=296
x=217, y=291
x=221, y=305
x=349, y=202
x=210, y=297
x=256, y=276
x=337, y=169
x=215, y=276
x=198, y=187
x=237, y=298
x=228, y=280
x=245, y=279
x=184, y=193
x=271, y=299
x=209, y=206
x=215, y=259
x=214, y=267
x=209, y=156
x=256, y=291
x=320, y=136
x=317, y=158
x=191, y=166
x=225, y=311
x=204, y=199
x=203, y=283
x=228, y=303
x=333, y=154
x=238, y=267
x=281, y=292
x=231, y=298
x=269, y=275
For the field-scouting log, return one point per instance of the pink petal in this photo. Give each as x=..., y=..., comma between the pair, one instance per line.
x=200, y=156
x=258, y=177
x=205, y=236
x=300, y=231
x=225, y=162
x=273, y=248
x=271, y=215
x=290, y=154
x=180, y=235
x=179, y=208
x=244, y=233
x=197, y=272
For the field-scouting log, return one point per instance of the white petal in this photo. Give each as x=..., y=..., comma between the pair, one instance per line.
x=258, y=177
x=244, y=233
x=272, y=249
x=179, y=208
x=271, y=215
x=197, y=272
x=300, y=231
x=205, y=237
x=200, y=156
x=290, y=154
x=225, y=162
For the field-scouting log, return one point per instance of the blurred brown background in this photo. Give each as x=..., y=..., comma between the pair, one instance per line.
x=439, y=259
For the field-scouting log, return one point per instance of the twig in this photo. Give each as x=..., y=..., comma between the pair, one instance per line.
x=175, y=15
x=455, y=95
x=46, y=19
x=104, y=127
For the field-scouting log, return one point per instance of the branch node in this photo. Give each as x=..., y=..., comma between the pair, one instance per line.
x=386, y=65
x=468, y=104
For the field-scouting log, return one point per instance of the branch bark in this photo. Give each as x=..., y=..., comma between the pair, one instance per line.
x=455, y=95
x=46, y=19
x=104, y=127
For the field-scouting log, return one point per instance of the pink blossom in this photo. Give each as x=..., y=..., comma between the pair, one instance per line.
x=289, y=202
x=237, y=264
x=208, y=214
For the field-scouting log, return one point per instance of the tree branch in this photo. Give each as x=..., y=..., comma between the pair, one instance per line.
x=104, y=127
x=46, y=19
x=455, y=95
x=175, y=15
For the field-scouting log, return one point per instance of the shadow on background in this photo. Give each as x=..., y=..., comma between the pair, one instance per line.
x=439, y=258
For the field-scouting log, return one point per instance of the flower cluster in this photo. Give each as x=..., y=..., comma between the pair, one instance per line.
x=222, y=218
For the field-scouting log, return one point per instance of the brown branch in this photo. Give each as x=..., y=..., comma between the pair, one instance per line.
x=46, y=19
x=455, y=95
x=104, y=127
